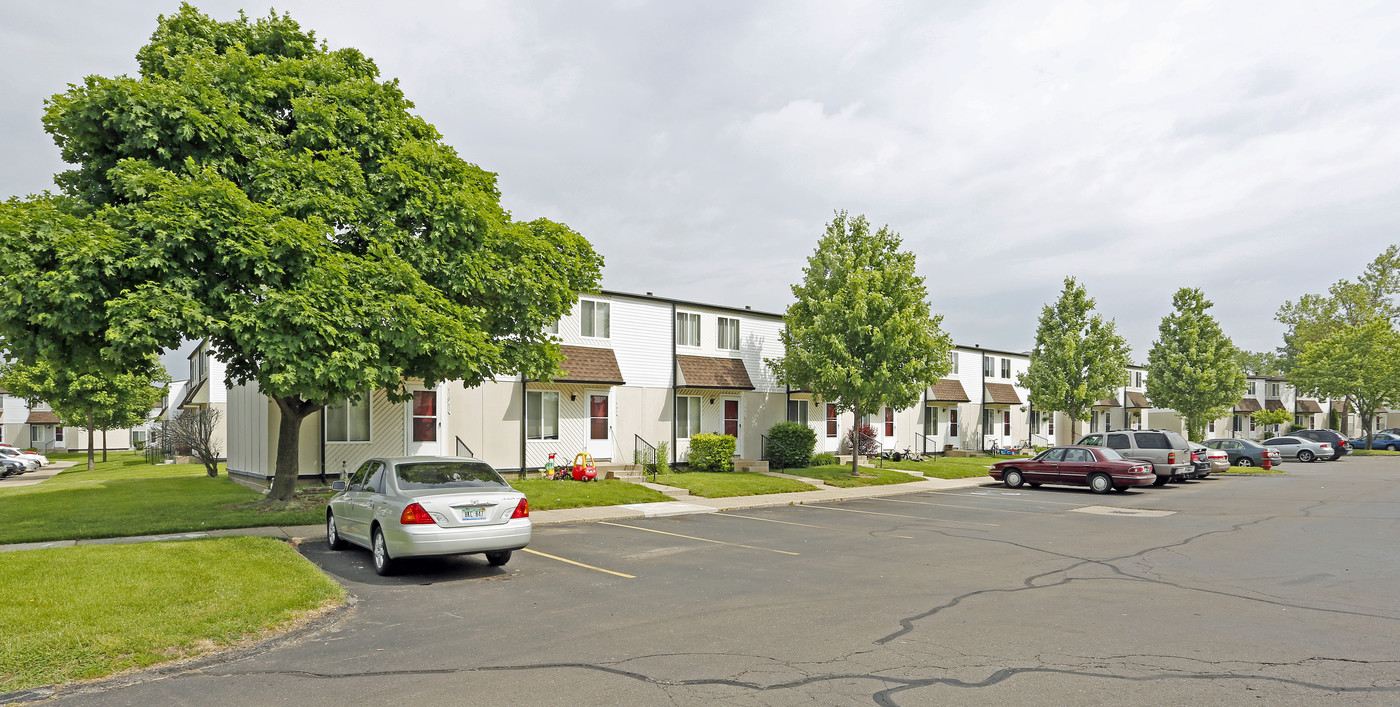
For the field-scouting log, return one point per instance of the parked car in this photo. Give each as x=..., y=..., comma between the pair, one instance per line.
x=1339, y=444
x=1244, y=452
x=427, y=506
x=1168, y=451
x=34, y=461
x=1392, y=431
x=1300, y=448
x=10, y=466
x=1099, y=468
x=1380, y=440
x=1215, y=460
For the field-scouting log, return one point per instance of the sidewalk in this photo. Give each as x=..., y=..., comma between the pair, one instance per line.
x=692, y=504
x=30, y=478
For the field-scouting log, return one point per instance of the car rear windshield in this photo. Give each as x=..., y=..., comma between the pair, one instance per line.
x=438, y=475
x=1111, y=455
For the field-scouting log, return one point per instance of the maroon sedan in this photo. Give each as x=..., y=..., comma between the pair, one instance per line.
x=1100, y=468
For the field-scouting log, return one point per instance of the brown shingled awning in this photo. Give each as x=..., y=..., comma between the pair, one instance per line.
x=1309, y=406
x=1274, y=405
x=1138, y=400
x=707, y=372
x=192, y=392
x=1248, y=405
x=43, y=417
x=1002, y=394
x=1106, y=403
x=948, y=390
x=584, y=364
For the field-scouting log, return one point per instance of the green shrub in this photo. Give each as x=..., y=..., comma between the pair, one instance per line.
x=138, y=444
x=711, y=453
x=790, y=445
x=1295, y=427
x=824, y=459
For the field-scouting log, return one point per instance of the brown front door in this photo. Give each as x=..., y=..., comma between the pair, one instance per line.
x=731, y=418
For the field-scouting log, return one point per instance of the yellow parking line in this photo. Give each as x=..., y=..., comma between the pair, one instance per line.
x=580, y=564
x=901, y=515
x=691, y=537
x=804, y=525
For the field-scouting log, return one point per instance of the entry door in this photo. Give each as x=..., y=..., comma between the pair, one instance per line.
x=832, y=441
x=731, y=423
x=600, y=424
x=424, y=424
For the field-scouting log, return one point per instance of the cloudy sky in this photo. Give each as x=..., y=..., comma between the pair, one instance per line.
x=1251, y=149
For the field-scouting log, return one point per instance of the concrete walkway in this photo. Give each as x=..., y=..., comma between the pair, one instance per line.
x=690, y=505
x=30, y=478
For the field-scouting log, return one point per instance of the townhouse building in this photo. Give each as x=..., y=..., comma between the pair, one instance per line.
x=36, y=426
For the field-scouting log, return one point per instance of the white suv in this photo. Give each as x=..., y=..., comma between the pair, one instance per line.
x=1168, y=451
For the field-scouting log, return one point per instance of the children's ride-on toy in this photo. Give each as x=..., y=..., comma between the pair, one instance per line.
x=555, y=473
x=584, y=469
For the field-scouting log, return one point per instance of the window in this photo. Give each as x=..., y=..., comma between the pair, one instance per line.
x=596, y=322
x=357, y=480
x=1137, y=378
x=1151, y=440
x=953, y=422
x=348, y=421
x=58, y=434
x=1006, y=423
x=797, y=411
x=953, y=357
x=687, y=416
x=988, y=362
x=930, y=420
x=1078, y=456
x=1006, y=368
x=1251, y=387
x=1212, y=426
x=1118, y=442
x=424, y=414
x=1035, y=421
x=889, y=422
x=728, y=334
x=1054, y=455
x=987, y=421
x=831, y=419
x=1251, y=423
x=687, y=329
x=1273, y=390
x=1092, y=440
x=1094, y=422
x=552, y=328
x=1050, y=424
x=138, y=436
x=541, y=414
x=1238, y=423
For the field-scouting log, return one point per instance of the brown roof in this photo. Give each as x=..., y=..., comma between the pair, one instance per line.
x=189, y=396
x=1247, y=405
x=1309, y=406
x=948, y=390
x=1106, y=403
x=584, y=364
x=43, y=417
x=1272, y=404
x=1002, y=394
x=1138, y=400
x=706, y=372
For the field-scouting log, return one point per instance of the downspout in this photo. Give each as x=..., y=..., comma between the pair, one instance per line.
x=982, y=405
x=1125, y=408
x=523, y=413
x=675, y=380
x=926, y=429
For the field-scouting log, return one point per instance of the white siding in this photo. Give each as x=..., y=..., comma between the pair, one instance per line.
x=249, y=445
x=641, y=340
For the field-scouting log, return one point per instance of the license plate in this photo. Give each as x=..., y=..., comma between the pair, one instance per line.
x=476, y=513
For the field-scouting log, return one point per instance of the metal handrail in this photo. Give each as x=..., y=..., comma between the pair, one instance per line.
x=644, y=454
x=937, y=451
x=463, y=445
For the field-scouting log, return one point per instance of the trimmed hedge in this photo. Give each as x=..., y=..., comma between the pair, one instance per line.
x=790, y=445
x=711, y=453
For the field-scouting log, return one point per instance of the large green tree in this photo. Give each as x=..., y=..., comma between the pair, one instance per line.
x=1078, y=359
x=253, y=187
x=1360, y=363
x=1260, y=363
x=860, y=333
x=1195, y=368
x=95, y=400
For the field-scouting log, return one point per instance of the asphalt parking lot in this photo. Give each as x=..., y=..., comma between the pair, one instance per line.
x=1276, y=589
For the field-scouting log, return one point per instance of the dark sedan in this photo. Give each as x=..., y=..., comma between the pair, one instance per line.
x=1100, y=468
x=1380, y=440
x=1244, y=452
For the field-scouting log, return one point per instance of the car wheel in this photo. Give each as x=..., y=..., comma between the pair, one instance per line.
x=1012, y=478
x=333, y=538
x=1391, y=448
x=1244, y=462
x=1161, y=480
x=1305, y=456
x=1100, y=483
x=498, y=558
x=383, y=564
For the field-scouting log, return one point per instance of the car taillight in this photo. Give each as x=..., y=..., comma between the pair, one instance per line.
x=1195, y=456
x=1324, y=445
x=414, y=514
x=1171, y=457
x=522, y=509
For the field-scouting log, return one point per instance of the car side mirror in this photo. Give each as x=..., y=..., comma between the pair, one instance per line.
x=337, y=485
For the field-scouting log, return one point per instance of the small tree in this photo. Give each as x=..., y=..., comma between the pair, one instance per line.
x=790, y=445
x=860, y=333
x=1269, y=418
x=1078, y=358
x=1361, y=363
x=194, y=430
x=1195, y=369
x=861, y=440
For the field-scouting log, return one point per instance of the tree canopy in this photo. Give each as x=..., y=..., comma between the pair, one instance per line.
x=1195, y=368
x=1361, y=363
x=860, y=333
x=256, y=188
x=1078, y=358
x=1313, y=317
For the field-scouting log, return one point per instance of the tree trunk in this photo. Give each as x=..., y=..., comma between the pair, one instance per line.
x=91, y=466
x=284, y=477
x=855, y=453
x=104, y=445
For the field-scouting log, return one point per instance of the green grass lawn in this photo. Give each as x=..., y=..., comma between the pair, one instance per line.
x=731, y=483
x=545, y=494
x=1375, y=453
x=840, y=475
x=1252, y=470
x=950, y=467
x=79, y=613
x=125, y=496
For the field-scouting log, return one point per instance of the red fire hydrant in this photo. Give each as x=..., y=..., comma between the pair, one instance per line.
x=1265, y=462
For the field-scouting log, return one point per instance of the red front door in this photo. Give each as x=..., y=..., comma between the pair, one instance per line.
x=731, y=418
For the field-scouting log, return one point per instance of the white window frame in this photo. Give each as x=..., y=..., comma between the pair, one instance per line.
x=803, y=413
x=366, y=401
x=1251, y=387
x=953, y=356
x=691, y=425
x=728, y=338
x=989, y=369
x=552, y=328
x=687, y=329
x=1006, y=368
x=930, y=420
x=593, y=317
x=535, y=405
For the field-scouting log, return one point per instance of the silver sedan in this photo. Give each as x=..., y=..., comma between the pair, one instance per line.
x=1300, y=448
x=426, y=506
